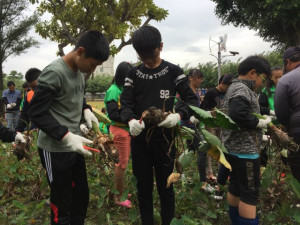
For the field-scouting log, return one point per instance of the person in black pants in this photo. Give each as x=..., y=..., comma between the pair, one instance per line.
x=154, y=83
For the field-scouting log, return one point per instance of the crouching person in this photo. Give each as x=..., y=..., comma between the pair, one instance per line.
x=243, y=145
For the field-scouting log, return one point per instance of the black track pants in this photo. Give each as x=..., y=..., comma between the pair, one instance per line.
x=69, y=192
x=149, y=158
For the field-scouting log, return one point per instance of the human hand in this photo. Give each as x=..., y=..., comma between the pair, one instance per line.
x=170, y=121
x=89, y=118
x=84, y=129
x=9, y=106
x=263, y=123
x=20, y=138
x=272, y=113
x=194, y=120
x=135, y=127
x=75, y=143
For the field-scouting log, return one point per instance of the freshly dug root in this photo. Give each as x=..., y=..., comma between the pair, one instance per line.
x=21, y=150
x=153, y=116
x=281, y=139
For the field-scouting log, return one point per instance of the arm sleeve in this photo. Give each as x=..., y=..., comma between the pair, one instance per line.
x=5, y=101
x=38, y=112
x=239, y=112
x=113, y=111
x=86, y=106
x=127, y=98
x=208, y=102
x=263, y=104
x=282, y=103
x=187, y=95
x=6, y=135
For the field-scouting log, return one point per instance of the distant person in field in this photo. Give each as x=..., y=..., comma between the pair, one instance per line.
x=56, y=109
x=12, y=99
x=287, y=103
x=119, y=130
x=31, y=77
x=243, y=145
x=154, y=83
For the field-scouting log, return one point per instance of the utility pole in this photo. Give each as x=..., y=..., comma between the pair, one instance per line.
x=221, y=47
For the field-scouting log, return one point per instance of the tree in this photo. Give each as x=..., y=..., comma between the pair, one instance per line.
x=100, y=83
x=115, y=18
x=14, y=27
x=276, y=21
x=15, y=75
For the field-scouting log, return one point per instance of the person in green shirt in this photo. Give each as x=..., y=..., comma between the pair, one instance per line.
x=119, y=129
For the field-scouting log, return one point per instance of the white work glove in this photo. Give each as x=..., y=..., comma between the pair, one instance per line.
x=9, y=106
x=170, y=121
x=265, y=138
x=20, y=138
x=75, y=142
x=84, y=129
x=135, y=127
x=263, y=123
x=89, y=118
x=194, y=120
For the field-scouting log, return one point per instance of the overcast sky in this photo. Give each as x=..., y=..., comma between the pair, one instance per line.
x=185, y=34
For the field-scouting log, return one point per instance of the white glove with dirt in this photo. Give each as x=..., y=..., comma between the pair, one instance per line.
x=263, y=123
x=272, y=113
x=20, y=138
x=135, y=127
x=75, y=143
x=84, y=129
x=194, y=120
x=170, y=121
x=89, y=118
x=9, y=106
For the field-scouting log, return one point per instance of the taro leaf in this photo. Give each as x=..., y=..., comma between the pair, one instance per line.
x=203, y=116
x=213, y=140
x=133, y=214
x=217, y=154
x=186, y=158
x=296, y=186
x=204, y=146
x=187, y=133
x=224, y=121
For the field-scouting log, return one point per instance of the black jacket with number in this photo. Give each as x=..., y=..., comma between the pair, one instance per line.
x=146, y=87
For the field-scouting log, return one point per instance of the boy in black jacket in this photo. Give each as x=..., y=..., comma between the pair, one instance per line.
x=152, y=83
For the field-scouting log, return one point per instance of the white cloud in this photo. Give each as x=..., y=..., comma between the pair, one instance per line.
x=185, y=33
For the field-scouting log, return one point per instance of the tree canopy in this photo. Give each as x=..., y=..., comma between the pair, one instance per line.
x=14, y=28
x=275, y=21
x=115, y=18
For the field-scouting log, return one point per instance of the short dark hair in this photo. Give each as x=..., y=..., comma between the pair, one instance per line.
x=95, y=45
x=292, y=53
x=25, y=85
x=145, y=40
x=226, y=79
x=195, y=73
x=32, y=74
x=9, y=83
x=121, y=73
x=260, y=64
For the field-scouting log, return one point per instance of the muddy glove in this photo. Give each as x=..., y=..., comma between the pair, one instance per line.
x=194, y=120
x=75, y=143
x=263, y=123
x=272, y=114
x=84, y=129
x=9, y=106
x=135, y=127
x=89, y=118
x=20, y=138
x=170, y=121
